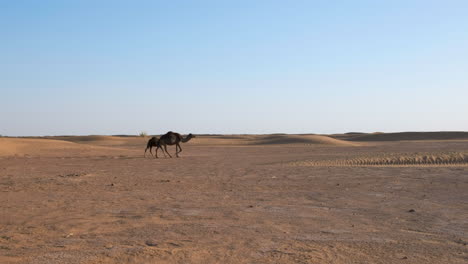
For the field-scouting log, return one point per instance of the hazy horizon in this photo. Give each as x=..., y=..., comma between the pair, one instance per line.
x=245, y=67
x=232, y=134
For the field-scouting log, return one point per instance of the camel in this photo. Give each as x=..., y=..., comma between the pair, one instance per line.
x=172, y=138
x=153, y=142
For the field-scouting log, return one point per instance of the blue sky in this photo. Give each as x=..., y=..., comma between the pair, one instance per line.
x=121, y=67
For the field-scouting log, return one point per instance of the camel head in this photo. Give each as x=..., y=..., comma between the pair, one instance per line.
x=188, y=137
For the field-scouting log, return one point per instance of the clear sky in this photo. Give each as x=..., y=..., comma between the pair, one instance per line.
x=243, y=66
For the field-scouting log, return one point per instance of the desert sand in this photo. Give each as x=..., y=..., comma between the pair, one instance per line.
x=349, y=198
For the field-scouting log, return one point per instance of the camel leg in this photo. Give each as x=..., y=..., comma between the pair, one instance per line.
x=156, y=152
x=162, y=151
x=157, y=148
x=160, y=147
x=165, y=148
x=180, y=149
x=168, y=152
x=145, y=152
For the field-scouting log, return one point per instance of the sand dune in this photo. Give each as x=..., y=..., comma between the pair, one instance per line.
x=84, y=138
x=272, y=139
x=269, y=140
x=405, y=136
x=21, y=146
x=30, y=146
x=108, y=141
x=301, y=139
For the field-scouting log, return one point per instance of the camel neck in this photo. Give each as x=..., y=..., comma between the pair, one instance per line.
x=186, y=139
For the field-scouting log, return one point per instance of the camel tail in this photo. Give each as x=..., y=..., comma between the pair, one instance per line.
x=148, y=146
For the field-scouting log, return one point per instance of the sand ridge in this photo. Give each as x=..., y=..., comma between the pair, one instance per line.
x=302, y=139
x=48, y=145
x=274, y=139
x=42, y=146
x=100, y=140
x=404, y=136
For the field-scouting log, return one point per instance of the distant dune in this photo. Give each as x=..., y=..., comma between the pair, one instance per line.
x=84, y=138
x=269, y=140
x=104, y=140
x=93, y=144
x=301, y=139
x=33, y=146
x=20, y=146
x=86, y=144
x=403, y=136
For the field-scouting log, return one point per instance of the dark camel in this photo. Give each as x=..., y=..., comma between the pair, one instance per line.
x=153, y=142
x=172, y=138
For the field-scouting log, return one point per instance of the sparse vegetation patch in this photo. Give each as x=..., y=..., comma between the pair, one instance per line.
x=395, y=159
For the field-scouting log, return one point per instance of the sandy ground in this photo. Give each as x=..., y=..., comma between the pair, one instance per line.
x=231, y=199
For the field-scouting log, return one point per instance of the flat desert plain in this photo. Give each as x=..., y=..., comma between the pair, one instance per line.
x=350, y=198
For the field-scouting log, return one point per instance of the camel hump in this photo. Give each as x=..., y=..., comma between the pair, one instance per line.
x=168, y=134
x=174, y=138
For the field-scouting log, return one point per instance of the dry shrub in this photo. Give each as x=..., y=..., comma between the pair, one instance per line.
x=395, y=159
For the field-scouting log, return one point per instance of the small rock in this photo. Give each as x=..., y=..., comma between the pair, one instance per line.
x=174, y=244
x=109, y=246
x=111, y=184
x=411, y=211
x=69, y=235
x=151, y=243
x=405, y=257
x=251, y=206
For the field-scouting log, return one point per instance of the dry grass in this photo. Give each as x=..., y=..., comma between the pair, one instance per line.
x=396, y=159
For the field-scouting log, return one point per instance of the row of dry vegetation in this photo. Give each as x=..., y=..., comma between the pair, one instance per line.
x=394, y=159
